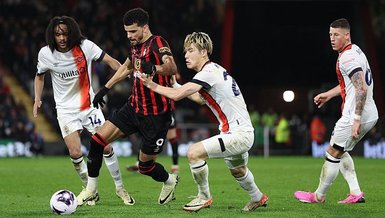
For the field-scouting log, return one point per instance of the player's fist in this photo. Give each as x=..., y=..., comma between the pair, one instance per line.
x=98, y=100
x=148, y=67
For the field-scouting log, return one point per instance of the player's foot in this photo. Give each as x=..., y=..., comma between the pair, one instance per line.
x=87, y=197
x=175, y=169
x=133, y=168
x=252, y=205
x=198, y=203
x=123, y=194
x=168, y=190
x=94, y=200
x=352, y=199
x=308, y=197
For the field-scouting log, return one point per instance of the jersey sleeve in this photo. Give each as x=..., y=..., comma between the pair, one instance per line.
x=162, y=47
x=204, y=78
x=42, y=61
x=349, y=63
x=93, y=50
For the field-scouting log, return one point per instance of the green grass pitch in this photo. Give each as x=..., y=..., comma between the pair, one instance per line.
x=26, y=185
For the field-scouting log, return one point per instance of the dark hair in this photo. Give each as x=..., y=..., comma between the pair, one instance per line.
x=136, y=15
x=75, y=36
x=340, y=23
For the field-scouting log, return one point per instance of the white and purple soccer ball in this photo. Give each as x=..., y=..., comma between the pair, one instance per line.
x=63, y=202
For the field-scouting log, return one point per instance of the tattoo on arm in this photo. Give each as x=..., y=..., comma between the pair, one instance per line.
x=361, y=89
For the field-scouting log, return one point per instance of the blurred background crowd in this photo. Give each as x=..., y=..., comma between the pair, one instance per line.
x=239, y=45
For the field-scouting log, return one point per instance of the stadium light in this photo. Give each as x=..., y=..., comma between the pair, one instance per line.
x=288, y=96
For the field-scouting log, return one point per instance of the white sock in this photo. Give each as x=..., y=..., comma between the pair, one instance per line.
x=329, y=173
x=349, y=173
x=81, y=169
x=170, y=179
x=248, y=184
x=200, y=173
x=112, y=164
x=92, y=184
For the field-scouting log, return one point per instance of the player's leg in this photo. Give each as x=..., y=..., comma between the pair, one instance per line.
x=342, y=136
x=93, y=119
x=348, y=170
x=173, y=139
x=238, y=168
x=107, y=133
x=112, y=164
x=73, y=144
x=154, y=130
x=328, y=174
x=71, y=127
x=197, y=157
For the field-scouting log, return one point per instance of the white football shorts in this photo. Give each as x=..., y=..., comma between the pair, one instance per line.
x=233, y=147
x=342, y=134
x=90, y=119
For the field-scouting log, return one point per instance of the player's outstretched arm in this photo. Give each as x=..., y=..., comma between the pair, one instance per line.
x=175, y=94
x=38, y=87
x=324, y=97
x=121, y=74
x=112, y=62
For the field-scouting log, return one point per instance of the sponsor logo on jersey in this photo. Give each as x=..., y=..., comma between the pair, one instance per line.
x=71, y=74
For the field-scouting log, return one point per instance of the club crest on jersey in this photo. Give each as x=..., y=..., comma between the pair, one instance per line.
x=137, y=64
x=164, y=49
x=79, y=59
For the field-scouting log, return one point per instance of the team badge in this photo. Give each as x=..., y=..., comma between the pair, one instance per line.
x=137, y=64
x=79, y=59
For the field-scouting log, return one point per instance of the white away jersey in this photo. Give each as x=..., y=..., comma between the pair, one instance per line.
x=71, y=74
x=224, y=98
x=351, y=60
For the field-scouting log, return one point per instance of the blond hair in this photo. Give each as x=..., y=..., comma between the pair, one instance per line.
x=201, y=40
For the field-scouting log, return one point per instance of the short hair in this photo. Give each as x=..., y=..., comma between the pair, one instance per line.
x=340, y=23
x=201, y=40
x=136, y=15
x=75, y=36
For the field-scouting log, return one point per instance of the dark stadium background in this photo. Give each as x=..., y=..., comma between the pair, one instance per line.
x=268, y=46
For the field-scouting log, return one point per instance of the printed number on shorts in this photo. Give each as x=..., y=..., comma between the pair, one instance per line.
x=95, y=120
x=159, y=144
x=234, y=85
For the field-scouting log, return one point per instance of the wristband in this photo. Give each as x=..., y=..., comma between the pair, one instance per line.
x=357, y=117
x=176, y=85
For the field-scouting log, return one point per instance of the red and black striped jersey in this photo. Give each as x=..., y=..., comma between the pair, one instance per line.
x=143, y=100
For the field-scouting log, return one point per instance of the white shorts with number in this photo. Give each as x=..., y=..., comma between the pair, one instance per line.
x=233, y=147
x=90, y=119
x=342, y=133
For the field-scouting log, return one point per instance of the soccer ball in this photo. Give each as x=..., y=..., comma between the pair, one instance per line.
x=63, y=202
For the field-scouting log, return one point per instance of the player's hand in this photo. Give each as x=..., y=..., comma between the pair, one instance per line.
x=146, y=79
x=148, y=67
x=36, y=106
x=98, y=100
x=321, y=99
x=356, y=129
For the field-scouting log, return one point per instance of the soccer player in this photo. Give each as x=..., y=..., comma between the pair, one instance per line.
x=146, y=112
x=212, y=85
x=359, y=115
x=68, y=57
